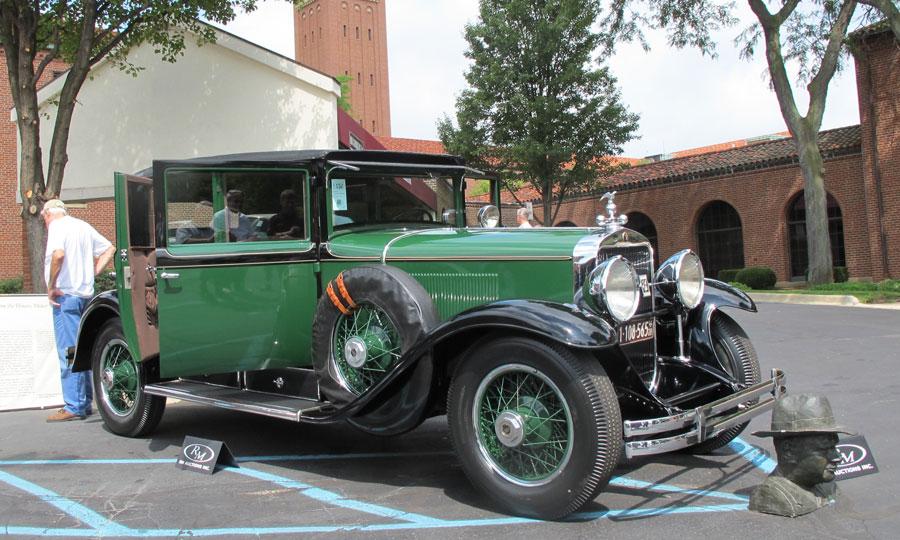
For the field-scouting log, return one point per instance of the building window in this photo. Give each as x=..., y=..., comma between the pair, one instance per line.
x=720, y=238
x=370, y=34
x=371, y=80
x=373, y=126
x=643, y=224
x=357, y=32
x=796, y=222
x=358, y=78
x=356, y=143
x=345, y=30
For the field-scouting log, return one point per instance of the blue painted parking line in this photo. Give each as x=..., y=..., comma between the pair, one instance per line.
x=99, y=524
x=652, y=486
x=754, y=455
x=102, y=526
x=329, y=497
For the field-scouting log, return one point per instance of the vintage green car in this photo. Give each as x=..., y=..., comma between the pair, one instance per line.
x=326, y=286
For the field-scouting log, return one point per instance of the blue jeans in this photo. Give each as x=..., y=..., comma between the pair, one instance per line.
x=76, y=387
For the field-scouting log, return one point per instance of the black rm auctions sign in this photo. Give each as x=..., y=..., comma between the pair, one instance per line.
x=202, y=455
x=856, y=458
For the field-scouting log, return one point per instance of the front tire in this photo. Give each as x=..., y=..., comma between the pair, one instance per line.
x=535, y=426
x=738, y=358
x=119, y=385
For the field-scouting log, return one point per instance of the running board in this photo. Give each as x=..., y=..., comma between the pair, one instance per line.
x=295, y=409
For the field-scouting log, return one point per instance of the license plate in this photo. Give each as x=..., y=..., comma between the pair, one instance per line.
x=638, y=330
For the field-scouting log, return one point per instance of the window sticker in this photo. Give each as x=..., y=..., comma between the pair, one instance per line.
x=339, y=194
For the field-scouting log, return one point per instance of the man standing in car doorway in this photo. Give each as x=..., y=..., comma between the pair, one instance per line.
x=75, y=253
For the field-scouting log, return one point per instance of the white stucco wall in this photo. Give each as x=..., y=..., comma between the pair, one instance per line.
x=226, y=97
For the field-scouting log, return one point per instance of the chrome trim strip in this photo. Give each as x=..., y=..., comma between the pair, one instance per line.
x=405, y=235
x=445, y=258
x=706, y=420
x=254, y=263
x=167, y=253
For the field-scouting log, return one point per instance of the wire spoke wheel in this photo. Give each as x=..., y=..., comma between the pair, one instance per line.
x=523, y=424
x=119, y=378
x=365, y=347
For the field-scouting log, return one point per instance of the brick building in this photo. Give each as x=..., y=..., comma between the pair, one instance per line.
x=744, y=206
x=349, y=37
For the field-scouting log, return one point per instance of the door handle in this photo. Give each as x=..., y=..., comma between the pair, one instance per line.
x=169, y=275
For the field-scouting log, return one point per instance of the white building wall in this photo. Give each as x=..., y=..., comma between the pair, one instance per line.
x=220, y=98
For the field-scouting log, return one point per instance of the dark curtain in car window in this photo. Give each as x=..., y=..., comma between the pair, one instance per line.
x=140, y=215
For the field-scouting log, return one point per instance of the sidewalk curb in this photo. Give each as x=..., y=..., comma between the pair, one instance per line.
x=844, y=300
x=813, y=299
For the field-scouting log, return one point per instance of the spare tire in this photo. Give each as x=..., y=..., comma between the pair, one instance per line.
x=366, y=319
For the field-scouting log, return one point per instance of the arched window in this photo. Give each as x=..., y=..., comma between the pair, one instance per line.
x=565, y=224
x=796, y=222
x=642, y=223
x=720, y=238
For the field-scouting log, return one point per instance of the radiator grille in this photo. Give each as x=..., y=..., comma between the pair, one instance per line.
x=638, y=256
x=453, y=293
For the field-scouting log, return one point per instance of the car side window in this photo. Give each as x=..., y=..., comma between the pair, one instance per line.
x=233, y=206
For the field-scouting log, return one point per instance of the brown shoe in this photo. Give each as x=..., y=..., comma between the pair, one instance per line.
x=63, y=415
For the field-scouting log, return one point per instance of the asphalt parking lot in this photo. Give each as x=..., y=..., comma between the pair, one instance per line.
x=78, y=480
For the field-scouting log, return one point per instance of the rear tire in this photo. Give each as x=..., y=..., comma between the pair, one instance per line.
x=119, y=385
x=739, y=359
x=535, y=426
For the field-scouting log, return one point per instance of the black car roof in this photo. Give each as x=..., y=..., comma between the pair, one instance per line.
x=305, y=157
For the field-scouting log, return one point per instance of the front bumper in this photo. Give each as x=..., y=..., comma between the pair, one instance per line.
x=701, y=423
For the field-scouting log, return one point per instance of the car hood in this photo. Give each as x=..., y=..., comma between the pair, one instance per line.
x=464, y=244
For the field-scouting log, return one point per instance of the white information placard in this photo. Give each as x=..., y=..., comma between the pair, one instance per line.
x=338, y=194
x=29, y=365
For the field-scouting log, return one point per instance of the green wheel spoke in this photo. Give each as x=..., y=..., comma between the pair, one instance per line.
x=523, y=423
x=370, y=332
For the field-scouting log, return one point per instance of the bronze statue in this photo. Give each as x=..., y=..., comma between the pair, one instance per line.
x=805, y=436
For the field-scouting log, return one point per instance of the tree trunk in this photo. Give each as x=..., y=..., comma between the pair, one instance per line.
x=817, y=239
x=36, y=239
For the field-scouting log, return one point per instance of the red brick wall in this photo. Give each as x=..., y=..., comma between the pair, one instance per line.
x=13, y=252
x=760, y=198
x=878, y=85
x=320, y=42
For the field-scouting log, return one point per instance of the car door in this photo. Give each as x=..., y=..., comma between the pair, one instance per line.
x=236, y=276
x=134, y=261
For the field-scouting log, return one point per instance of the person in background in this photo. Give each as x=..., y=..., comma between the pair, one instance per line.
x=287, y=223
x=75, y=253
x=231, y=220
x=522, y=218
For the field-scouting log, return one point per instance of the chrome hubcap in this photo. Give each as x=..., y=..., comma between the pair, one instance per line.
x=355, y=352
x=510, y=429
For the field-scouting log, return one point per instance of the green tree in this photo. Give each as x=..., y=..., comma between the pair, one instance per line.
x=539, y=109
x=808, y=36
x=33, y=34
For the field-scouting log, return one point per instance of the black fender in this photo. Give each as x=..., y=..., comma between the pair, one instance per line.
x=563, y=323
x=716, y=295
x=100, y=309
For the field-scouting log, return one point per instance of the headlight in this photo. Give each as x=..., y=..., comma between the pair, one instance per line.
x=680, y=279
x=613, y=287
x=488, y=216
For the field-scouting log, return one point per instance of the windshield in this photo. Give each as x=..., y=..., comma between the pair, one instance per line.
x=361, y=199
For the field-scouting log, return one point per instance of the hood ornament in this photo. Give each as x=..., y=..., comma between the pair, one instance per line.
x=611, y=222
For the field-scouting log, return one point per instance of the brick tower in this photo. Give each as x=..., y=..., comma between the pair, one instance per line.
x=348, y=37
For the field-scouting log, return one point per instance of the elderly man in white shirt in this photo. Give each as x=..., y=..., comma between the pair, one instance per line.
x=75, y=253
x=522, y=218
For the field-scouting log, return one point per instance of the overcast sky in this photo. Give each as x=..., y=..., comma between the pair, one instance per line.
x=684, y=100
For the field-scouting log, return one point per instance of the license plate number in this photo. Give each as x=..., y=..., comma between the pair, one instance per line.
x=635, y=331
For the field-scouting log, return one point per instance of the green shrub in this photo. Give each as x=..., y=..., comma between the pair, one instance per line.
x=740, y=286
x=757, y=277
x=840, y=274
x=889, y=285
x=104, y=282
x=846, y=286
x=11, y=286
x=728, y=275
